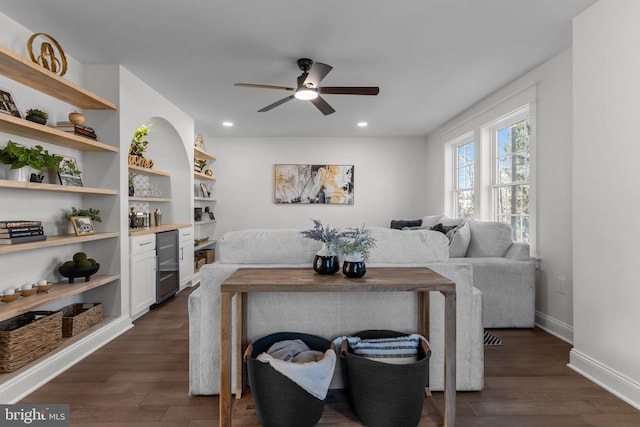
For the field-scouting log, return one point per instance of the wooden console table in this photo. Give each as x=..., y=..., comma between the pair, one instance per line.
x=421, y=280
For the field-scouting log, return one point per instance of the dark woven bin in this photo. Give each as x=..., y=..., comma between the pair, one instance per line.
x=279, y=401
x=383, y=394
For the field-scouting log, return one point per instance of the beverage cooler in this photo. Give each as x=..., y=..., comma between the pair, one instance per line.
x=168, y=268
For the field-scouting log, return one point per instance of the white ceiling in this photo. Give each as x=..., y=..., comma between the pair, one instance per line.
x=431, y=58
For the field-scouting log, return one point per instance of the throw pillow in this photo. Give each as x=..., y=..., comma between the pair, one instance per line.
x=430, y=220
x=459, y=239
x=444, y=229
x=400, y=224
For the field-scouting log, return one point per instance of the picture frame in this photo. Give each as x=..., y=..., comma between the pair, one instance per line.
x=7, y=104
x=82, y=225
x=314, y=184
x=67, y=175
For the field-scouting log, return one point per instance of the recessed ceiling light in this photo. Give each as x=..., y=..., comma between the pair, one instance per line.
x=227, y=124
x=363, y=124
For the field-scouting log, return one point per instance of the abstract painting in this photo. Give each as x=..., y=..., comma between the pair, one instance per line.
x=321, y=184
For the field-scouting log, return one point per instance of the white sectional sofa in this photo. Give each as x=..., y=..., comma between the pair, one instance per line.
x=334, y=314
x=502, y=269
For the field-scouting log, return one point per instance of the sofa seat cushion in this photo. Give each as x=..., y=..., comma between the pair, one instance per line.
x=408, y=246
x=266, y=246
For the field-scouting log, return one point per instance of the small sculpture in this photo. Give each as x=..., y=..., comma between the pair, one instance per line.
x=47, y=58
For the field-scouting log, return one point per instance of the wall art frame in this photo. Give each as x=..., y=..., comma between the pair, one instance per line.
x=314, y=184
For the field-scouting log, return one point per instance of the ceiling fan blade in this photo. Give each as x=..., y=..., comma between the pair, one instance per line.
x=347, y=90
x=275, y=104
x=323, y=106
x=317, y=72
x=264, y=86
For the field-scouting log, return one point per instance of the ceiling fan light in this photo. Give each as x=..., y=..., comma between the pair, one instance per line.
x=306, y=94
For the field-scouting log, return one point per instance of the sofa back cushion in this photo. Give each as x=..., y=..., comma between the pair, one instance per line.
x=489, y=239
x=266, y=246
x=408, y=246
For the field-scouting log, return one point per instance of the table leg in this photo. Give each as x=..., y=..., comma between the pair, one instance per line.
x=423, y=314
x=450, y=359
x=225, y=359
x=241, y=342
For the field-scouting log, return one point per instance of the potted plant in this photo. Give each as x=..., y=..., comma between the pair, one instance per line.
x=326, y=259
x=37, y=116
x=94, y=214
x=20, y=157
x=138, y=142
x=200, y=165
x=355, y=244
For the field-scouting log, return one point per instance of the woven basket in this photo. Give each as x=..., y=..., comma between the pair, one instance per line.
x=27, y=337
x=80, y=317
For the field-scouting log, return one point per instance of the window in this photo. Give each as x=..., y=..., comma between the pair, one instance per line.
x=489, y=169
x=511, y=177
x=464, y=179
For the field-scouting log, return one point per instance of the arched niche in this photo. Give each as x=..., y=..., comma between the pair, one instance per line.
x=168, y=152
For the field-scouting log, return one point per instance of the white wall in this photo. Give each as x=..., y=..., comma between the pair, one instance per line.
x=552, y=81
x=606, y=151
x=389, y=179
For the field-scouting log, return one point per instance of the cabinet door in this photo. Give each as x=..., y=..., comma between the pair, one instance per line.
x=186, y=256
x=143, y=282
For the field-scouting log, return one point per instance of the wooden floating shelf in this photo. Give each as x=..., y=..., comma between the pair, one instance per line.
x=27, y=129
x=148, y=199
x=55, y=241
x=23, y=70
x=205, y=199
x=202, y=155
x=205, y=244
x=147, y=171
x=59, y=290
x=15, y=185
x=204, y=221
x=200, y=175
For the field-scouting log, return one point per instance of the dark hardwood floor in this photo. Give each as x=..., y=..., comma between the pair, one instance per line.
x=141, y=379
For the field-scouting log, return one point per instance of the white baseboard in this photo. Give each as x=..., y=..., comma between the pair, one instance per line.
x=25, y=381
x=555, y=327
x=607, y=378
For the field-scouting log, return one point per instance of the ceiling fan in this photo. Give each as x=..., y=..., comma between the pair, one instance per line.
x=308, y=87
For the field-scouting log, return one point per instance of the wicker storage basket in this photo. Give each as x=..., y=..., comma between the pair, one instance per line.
x=386, y=395
x=26, y=337
x=279, y=401
x=80, y=317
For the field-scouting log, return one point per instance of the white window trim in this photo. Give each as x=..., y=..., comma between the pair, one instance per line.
x=478, y=130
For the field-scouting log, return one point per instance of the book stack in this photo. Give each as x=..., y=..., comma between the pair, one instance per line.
x=12, y=232
x=77, y=129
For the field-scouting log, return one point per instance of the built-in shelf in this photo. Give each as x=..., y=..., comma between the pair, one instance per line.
x=21, y=69
x=205, y=199
x=145, y=171
x=202, y=155
x=148, y=199
x=200, y=175
x=27, y=129
x=55, y=241
x=15, y=185
x=58, y=291
x=204, y=221
x=206, y=244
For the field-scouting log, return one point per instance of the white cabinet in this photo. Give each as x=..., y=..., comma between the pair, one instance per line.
x=186, y=256
x=142, y=274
